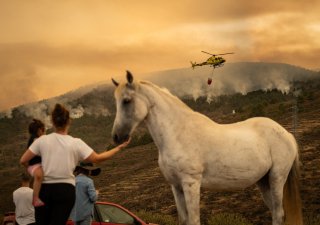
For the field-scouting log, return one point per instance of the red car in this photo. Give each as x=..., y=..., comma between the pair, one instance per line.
x=107, y=213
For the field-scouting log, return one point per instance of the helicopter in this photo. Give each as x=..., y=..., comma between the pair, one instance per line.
x=212, y=61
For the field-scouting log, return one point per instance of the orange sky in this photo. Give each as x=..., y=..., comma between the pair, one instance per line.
x=49, y=47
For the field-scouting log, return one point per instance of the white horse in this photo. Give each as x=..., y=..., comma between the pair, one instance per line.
x=195, y=151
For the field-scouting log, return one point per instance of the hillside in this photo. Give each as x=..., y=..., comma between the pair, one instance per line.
x=133, y=179
x=233, y=78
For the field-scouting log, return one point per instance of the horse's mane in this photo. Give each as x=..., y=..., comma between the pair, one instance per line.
x=165, y=92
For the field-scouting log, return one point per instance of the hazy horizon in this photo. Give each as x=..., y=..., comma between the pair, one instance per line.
x=233, y=78
x=50, y=47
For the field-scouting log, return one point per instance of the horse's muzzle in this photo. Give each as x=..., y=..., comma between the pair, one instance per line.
x=120, y=139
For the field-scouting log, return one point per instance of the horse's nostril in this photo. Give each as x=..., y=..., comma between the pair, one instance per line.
x=126, y=138
x=116, y=139
x=119, y=139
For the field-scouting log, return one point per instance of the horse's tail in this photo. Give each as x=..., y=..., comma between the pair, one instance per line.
x=291, y=199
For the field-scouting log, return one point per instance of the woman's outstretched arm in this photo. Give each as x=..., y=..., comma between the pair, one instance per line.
x=100, y=157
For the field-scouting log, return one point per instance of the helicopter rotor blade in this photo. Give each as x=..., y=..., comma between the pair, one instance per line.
x=208, y=53
x=226, y=53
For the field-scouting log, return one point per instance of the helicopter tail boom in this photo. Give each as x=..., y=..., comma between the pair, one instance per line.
x=193, y=64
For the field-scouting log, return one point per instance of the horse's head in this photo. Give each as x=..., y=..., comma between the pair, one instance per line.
x=132, y=108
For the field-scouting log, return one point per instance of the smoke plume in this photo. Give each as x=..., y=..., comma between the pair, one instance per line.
x=232, y=78
x=97, y=99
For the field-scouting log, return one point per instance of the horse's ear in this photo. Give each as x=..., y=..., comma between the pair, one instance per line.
x=115, y=82
x=129, y=77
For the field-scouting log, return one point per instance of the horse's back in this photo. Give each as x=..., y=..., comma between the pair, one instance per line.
x=272, y=132
x=280, y=143
x=241, y=153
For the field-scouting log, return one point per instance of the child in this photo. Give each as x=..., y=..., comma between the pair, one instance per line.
x=36, y=129
x=86, y=194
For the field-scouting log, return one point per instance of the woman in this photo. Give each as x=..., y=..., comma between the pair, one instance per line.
x=60, y=154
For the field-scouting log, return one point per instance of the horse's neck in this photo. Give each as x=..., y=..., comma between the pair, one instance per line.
x=164, y=105
x=166, y=115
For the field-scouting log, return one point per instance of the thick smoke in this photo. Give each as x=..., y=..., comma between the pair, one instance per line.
x=80, y=102
x=6, y=114
x=232, y=78
x=98, y=110
x=77, y=112
x=42, y=109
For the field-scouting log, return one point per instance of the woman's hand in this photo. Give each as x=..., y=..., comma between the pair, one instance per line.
x=99, y=157
x=124, y=144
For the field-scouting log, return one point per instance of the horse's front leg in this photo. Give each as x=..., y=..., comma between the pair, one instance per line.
x=191, y=190
x=180, y=203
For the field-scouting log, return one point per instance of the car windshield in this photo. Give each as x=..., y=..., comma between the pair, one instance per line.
x=113, y=214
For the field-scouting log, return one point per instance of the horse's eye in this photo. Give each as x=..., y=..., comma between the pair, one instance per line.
x=126, y=101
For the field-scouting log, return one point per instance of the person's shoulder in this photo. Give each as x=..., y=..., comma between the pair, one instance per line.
x=89, y=181
x=84, y=178
x=41, y=138
x=22, y=189
x=44, y=137
x=18, y=189
x=78, y=141
x=28, y=190
x=15, y=191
